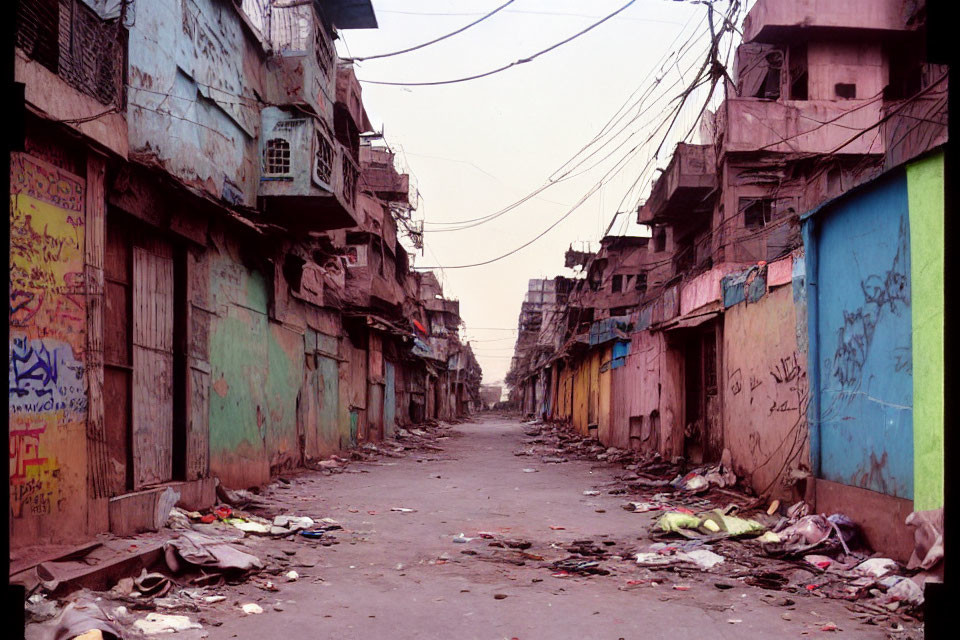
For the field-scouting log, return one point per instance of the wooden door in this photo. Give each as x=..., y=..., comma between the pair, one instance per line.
x=152, y=414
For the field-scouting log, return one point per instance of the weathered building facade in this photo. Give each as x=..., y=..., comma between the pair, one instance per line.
x=771, y=323
x=204, y=284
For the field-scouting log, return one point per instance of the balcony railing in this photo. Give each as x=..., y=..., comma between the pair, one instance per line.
x=74, y=42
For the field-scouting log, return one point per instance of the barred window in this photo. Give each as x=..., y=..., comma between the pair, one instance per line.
x=325, y=56
x=350, y=179
x=276, y=157
x=323, y=168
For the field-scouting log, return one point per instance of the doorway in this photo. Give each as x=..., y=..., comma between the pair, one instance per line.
x=703, y=426
x=144, y=388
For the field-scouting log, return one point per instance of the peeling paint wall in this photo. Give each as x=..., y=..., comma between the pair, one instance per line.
x=257, y=368
x=864, y=332
x=925, y=189
x=765, y=391
x=193, y=72
x=47, y=352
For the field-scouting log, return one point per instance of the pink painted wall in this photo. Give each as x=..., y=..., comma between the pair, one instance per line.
x=647, y=385
x=858, y=63
x=795, y=126
x=705, y=288
x=780, y=272
x=765, y=392
x=861, y=14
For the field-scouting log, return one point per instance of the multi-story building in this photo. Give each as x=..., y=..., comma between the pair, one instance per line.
x=203, y=285
x=783, y=238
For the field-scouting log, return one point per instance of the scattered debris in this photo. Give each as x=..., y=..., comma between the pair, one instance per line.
x=251, y=608
x=156, y=623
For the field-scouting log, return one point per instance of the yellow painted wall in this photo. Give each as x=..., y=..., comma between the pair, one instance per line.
x=604, y=378
x=48, y=392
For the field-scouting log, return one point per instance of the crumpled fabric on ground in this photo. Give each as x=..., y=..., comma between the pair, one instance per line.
x=191, y=548
x=928, y=538
x=80, y=617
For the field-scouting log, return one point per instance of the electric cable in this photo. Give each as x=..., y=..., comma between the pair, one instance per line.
x=507, y=66
x=435, y=40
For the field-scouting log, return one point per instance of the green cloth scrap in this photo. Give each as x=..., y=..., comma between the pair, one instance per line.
x=731, y=525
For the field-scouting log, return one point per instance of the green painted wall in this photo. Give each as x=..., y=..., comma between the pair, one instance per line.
x=925, y=192
x=329, y=398
x=285, y=365
x=257, y=368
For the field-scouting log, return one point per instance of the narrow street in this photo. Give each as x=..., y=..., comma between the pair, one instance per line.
x=401, y=575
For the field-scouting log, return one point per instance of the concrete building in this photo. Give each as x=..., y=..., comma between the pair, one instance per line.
x=206, y=277
x=751, y=343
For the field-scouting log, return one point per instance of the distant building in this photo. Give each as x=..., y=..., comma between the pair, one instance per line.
x=772, y=319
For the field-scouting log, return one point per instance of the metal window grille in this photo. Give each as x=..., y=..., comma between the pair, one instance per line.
x=323, y=164
x=277, y=157
x=324, y=51
x=70, y=39
x=290, y=27
x=350, y=178
x=258, y=12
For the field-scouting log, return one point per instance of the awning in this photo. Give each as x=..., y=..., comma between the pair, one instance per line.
x=696, y=318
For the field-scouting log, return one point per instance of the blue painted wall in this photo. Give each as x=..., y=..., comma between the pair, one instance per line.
x=863, y=334
x=390, y=400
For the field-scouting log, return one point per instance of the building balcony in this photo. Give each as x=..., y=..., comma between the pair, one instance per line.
x=380, y=175
x=784, y=21
x=307, y=180
x=73, y=63
x=303, y=65
x=684, y=185
x=802, y=126
x=442, y=305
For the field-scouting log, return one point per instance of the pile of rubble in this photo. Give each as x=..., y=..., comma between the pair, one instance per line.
x=251, y=536
x=704, y=522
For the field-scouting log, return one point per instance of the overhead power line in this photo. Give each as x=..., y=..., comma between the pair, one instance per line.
x=707, y=74
x=435, y=40
x=506, y=66
x=606, y=131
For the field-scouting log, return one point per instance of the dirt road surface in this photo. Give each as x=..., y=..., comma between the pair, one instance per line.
x=401, y=575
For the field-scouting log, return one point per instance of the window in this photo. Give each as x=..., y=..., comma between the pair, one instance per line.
x=71, y=39
x=757, y=212
x=324, y=159
x=641, y=282
x=617, y=284
x=324, y=51
x=798, y=72
x=350, y=178
x=834, y=182
x=845, y=91
x=660, y=240
x=276, y=161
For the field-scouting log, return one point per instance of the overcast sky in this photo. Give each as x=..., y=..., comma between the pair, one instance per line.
x=476, y=147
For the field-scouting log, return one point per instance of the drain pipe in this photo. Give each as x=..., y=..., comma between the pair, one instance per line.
x=813, y=344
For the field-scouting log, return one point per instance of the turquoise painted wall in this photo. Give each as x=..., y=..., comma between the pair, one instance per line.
x=863, y=332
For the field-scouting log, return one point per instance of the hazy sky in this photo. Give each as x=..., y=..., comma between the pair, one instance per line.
x=476, y=147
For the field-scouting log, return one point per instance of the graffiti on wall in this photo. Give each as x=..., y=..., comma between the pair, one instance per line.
x=883, y=294
x=47, y=392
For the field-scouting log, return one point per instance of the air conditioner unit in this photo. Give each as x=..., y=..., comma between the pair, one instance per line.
x=304, y=172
